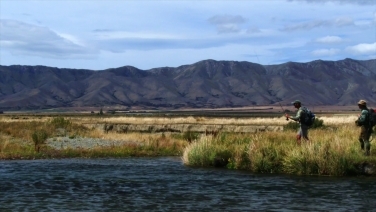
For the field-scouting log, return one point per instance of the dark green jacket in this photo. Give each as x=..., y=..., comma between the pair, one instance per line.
x=363, y=119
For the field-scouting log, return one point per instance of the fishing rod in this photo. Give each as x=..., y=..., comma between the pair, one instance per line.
x=283, y=111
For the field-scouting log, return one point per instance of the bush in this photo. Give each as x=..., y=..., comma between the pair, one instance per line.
x=60, y=122
x=318, y=123
x=292, y=125
x=207, y=152
x=39, y=138
x=190, y=136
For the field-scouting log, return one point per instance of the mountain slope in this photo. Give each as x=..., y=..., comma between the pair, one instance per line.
x=205, y=84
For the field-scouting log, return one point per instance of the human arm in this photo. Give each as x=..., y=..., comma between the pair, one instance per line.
x=362, y=119
x=297, y=117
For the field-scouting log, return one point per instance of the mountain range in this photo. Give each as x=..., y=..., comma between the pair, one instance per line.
x=205, y=84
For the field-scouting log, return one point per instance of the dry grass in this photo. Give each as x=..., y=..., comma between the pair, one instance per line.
x=15, y=132
x=331, y=151
x=183, y=120
x=339, y=119
x=23, y=126
x=279, y=121
x=143, y=138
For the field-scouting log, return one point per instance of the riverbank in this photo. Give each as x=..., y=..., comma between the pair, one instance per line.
x=334, y=148
x=332, y=151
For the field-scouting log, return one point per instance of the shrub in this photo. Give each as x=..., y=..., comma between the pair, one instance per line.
x=318, y=123
x=39, y=138
x=190, y=136
x=292, y=125
x=60, y=122
x=206, y=152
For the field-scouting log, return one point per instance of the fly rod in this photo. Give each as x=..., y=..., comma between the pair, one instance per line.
x=283, y=111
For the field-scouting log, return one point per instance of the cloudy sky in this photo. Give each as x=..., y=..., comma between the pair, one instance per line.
x=100, y=34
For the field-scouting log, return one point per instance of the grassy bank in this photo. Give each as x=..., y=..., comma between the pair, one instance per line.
x=333, y=150
x=26, y=139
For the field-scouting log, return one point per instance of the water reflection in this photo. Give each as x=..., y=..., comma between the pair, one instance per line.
x=164, y=184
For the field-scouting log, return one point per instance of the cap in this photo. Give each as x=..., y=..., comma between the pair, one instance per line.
x=362, y=102
x=296, y=102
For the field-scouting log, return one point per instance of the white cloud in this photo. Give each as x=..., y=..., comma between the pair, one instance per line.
x=226, y=19
x=325, y=52
x=26, y=39
x=227, y=23
x=153, y=33
x=108, y=35
x=338, y=22
x=71, y=38
x=253, y=30
x=306, y=25
x=342, y=21
x=363, y=48
x=329, y=39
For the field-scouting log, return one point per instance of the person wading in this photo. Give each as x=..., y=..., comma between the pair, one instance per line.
x=365, y=128
x=303, y=129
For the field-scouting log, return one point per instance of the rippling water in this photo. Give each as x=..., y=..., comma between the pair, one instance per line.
x=164, y=184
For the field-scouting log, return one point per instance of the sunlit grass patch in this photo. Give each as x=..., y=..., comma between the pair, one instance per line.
x=331, y=151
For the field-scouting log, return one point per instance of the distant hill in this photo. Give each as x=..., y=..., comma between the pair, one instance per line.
x=205, y=84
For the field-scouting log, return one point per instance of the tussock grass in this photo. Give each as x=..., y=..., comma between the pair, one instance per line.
x=331, y=151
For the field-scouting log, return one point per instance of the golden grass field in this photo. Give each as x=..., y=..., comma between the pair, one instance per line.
x=330, y=119
x=21, y=125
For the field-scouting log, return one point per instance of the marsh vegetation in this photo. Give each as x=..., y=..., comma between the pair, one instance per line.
x=333, y=149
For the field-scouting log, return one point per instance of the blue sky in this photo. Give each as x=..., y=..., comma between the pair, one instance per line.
x=98, y=34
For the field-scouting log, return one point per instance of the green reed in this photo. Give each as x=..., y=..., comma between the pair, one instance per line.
x=334, y=152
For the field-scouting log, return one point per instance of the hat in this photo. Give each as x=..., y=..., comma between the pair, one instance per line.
x=362, y=102
x=296, y=102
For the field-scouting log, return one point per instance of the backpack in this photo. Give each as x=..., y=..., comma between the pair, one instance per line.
x=307, y=117
x=372, y=117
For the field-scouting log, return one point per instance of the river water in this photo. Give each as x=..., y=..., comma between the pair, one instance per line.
x=165, y=184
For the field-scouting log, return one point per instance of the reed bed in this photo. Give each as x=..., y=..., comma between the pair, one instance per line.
x=333, y=149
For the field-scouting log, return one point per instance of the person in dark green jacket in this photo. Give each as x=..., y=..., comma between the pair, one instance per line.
x=365, y=128
x=303, y=129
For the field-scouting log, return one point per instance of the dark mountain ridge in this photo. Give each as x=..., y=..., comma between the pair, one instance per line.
x=205, y=84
